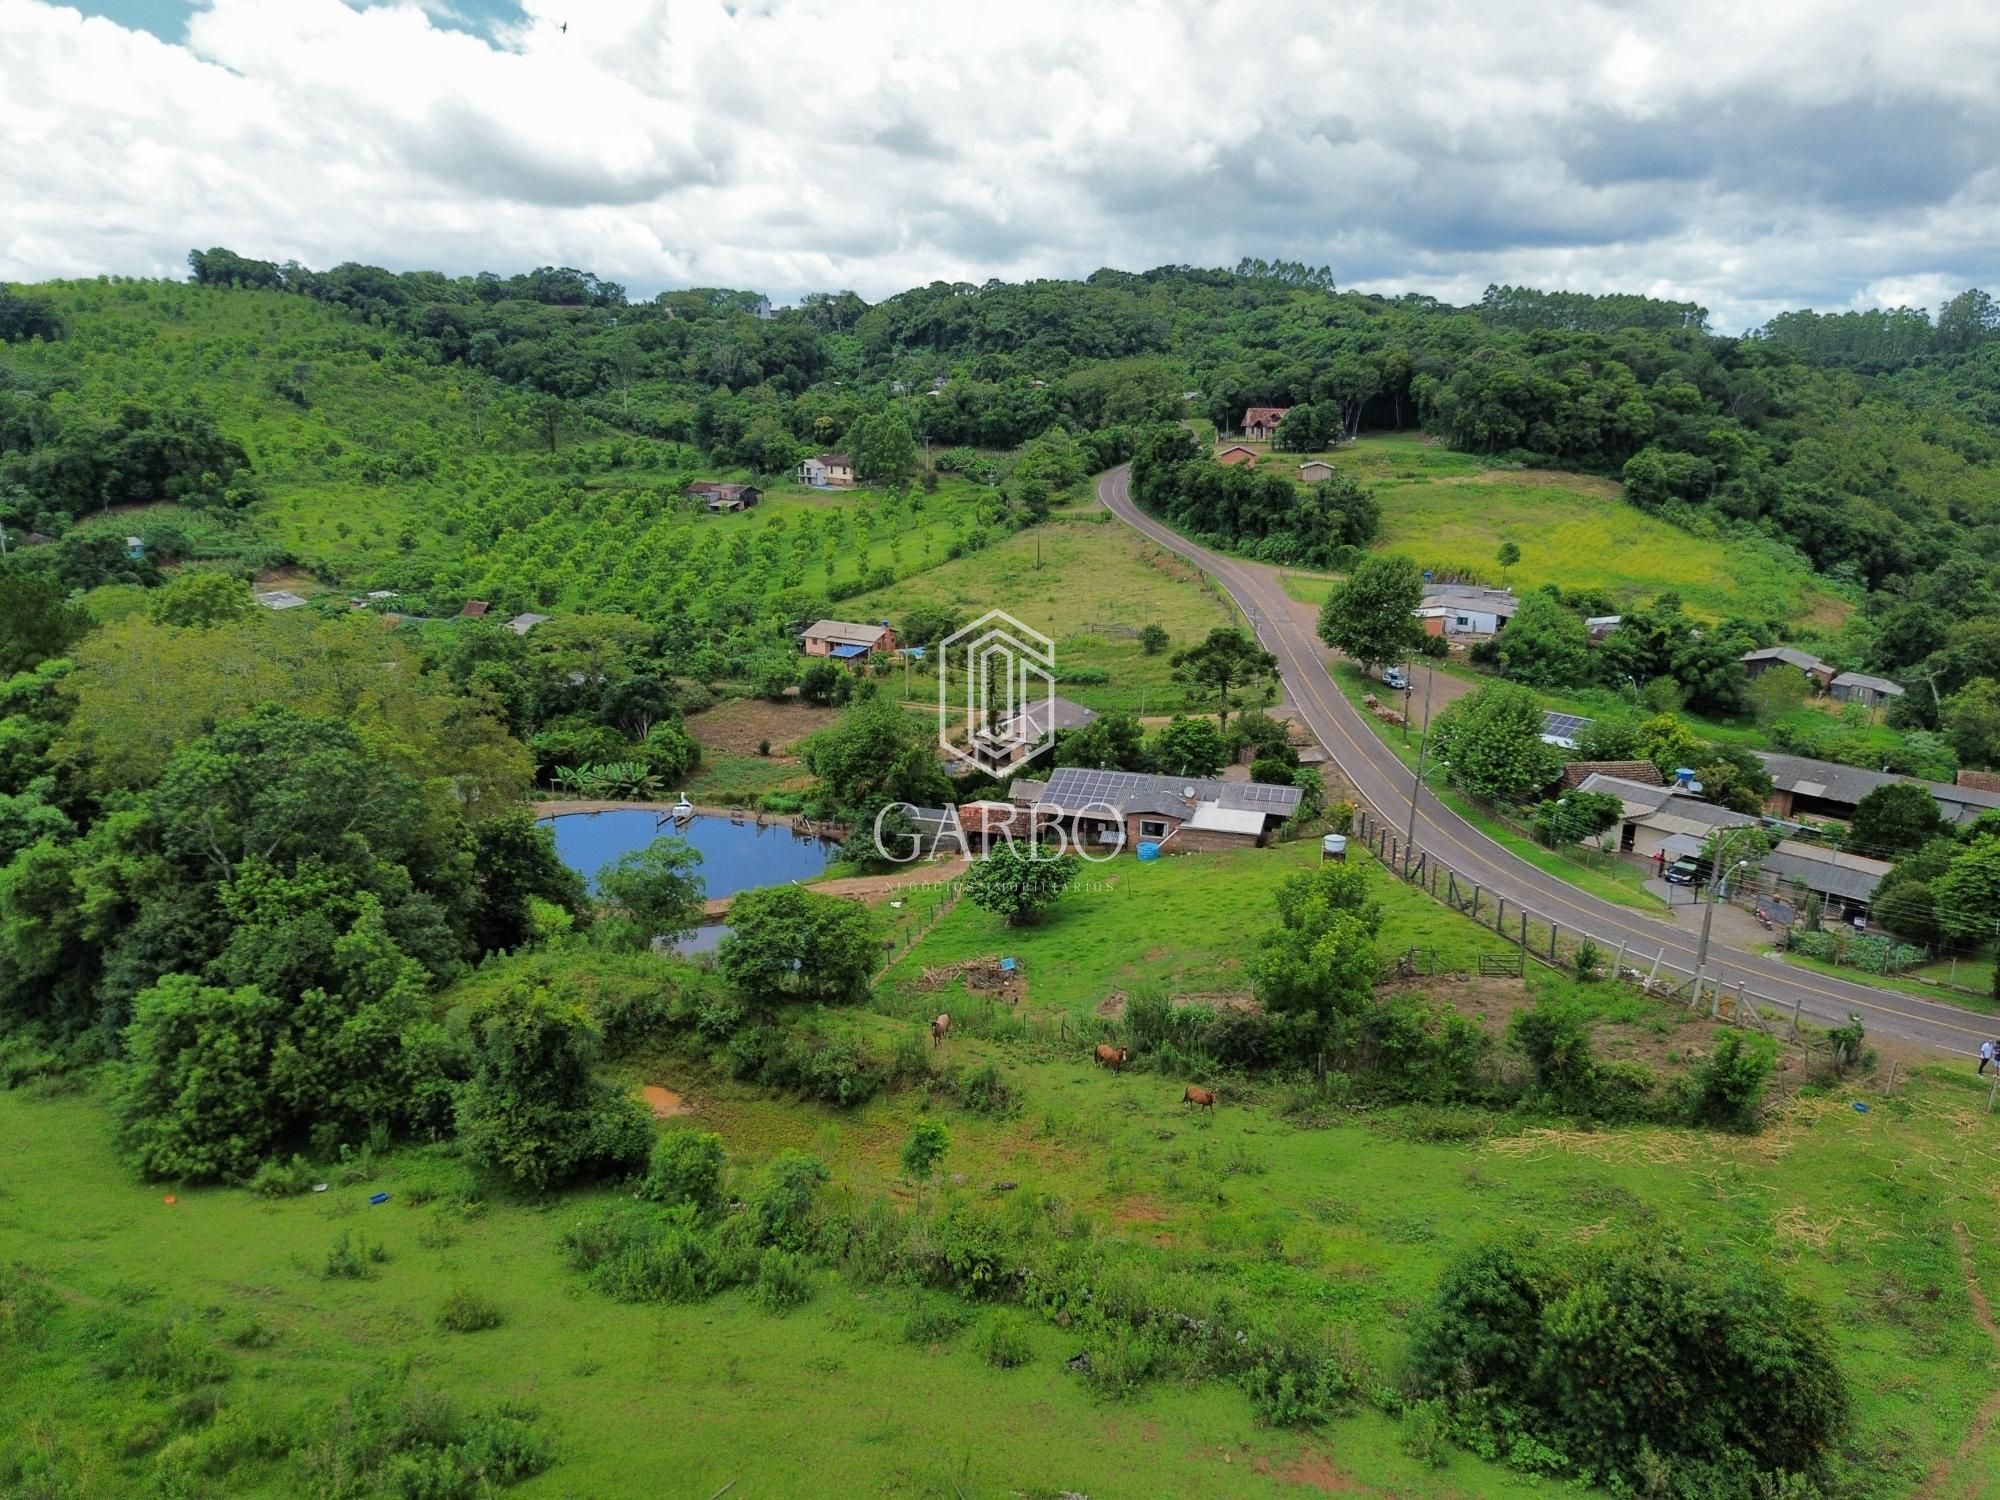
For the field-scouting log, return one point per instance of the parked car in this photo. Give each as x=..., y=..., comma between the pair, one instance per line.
x=1687, y=870
x=1396, y=678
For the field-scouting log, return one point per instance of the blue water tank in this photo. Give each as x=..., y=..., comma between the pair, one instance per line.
x=1149, y=851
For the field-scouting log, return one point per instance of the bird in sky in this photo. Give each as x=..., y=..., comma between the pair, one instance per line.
x=564, y=28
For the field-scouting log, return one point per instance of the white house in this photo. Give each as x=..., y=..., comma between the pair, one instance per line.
x=1465, y=609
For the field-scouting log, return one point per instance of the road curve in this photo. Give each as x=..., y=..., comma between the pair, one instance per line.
x=1384, y=782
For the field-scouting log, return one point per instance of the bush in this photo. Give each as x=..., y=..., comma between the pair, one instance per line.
x=1004, y=1342
x=932, y=1323
x=26, y=1305
x=686, y=1168
x=1554, y=1037
x=1729, y=1086
x=1426, y=1432
x=352, y=1257
x=646, y=1255
x=466, y=1311
x=277, y=1179
x=781, y=1208
x=1586, y=1358
x=783, y=1281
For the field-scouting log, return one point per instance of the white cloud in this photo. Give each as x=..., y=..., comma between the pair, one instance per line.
x=1749, y=158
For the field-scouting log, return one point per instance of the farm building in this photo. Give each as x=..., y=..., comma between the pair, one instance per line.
x=1845, y=881
x=846, y=641
x=726, y=497
x=1235, y=454
x=987, y=823
x=1465, y=609
x=1644, y=772
x=522, y=624
x=827, y=471
x=1014, y=735
x=1757, y=663
x=1261, y=422
x=1315, y=471
x=280, y=599
x=1859, y=687
x=1825, y=789
x=1600, y=627
x=1661, y=821
x=1111, y=810
x=475, y=609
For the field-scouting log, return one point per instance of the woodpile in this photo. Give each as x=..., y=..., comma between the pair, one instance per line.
x=977, y=974
x=1382, y=711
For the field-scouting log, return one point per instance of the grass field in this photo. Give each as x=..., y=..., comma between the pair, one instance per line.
x=1087, y=585
x=1347, y=1222
x=1445, y=509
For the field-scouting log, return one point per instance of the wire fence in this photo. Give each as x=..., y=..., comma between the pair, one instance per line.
x=1568, y=949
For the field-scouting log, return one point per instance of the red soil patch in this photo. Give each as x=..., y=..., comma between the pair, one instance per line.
x=1314, y=1470
x=1139, y=1211
x=664, y=1103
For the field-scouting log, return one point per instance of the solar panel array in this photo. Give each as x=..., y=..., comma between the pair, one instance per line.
x=1257, y=791
x=1563, y=726
x=1073, y=786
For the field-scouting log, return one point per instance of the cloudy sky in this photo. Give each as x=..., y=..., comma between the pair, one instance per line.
x=1753, y=158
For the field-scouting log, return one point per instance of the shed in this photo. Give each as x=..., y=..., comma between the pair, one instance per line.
x=1859, y=687
x=475, y=609
x=522, y=624
x=1235, y=454
x=1315, y=471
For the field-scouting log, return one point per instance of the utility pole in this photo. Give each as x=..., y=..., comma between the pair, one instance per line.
x=1423, y=747
x=1715, y=880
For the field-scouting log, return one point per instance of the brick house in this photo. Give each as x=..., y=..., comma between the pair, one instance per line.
x=843, y=640
x=1260, y=423
x=1101, y=810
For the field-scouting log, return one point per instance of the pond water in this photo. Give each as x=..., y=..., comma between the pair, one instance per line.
x=734, y=856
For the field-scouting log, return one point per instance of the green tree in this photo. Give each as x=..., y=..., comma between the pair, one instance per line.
x=1227, y=660
x=1110, y=742
x=1895, y=819
x=534, y=1107
x=881, y=448
x=1371, y=615
x=686, y=1169
x=1545, y=645
x=654, y=892
x=201, y=600
x=787, y=942
x=198, y=1101
x=1153, y=640
x=924, y=1149
x=1491, y=743
x=1576, y=816
x=1318, y=964
x=1020, y=881
x=1508, y=555
x=1668, y=742
x=1972, y=722
x=1189, y=747
x=37, y=621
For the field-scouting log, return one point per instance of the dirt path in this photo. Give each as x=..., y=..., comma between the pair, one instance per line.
x=1989, y=1409
x=866, y=887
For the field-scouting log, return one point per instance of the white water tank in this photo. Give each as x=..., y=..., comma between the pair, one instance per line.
x=1333, y=846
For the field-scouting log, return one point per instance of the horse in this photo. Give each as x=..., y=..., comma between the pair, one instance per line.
x=1199, y=1098
x=1112, y=1057
x=940, y=1029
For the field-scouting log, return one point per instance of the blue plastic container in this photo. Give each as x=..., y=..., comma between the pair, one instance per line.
x=1149, y=851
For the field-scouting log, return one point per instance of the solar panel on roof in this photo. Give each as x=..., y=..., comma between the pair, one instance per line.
x=1563, y=726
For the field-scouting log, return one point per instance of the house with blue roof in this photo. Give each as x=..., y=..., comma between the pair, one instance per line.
x=843, y=640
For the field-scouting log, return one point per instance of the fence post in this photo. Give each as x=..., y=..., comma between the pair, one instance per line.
x=1475, y=903
x=1618, y=968
x=1524, y=932
x=1795, y=1014
x=1552, y=942
x=1500, y=916
x=1655, y=974
x=1451, y=887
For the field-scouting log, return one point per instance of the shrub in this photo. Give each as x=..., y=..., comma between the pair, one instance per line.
x=1589, y=960
x=1729, y=1086
x=277, y=1179
x=1004, y=1342
x=783, y=1281
x=931, y=1323
x=172, y=1357
x=686, y=1168
x=781, y=1208
x=1426, y=1431
x=645, y=1255
x=352, y=1257
x=466, y=1311
x=1587, y=1357
x=974, y=1246
x=1554, y=1037
x=26, y=1305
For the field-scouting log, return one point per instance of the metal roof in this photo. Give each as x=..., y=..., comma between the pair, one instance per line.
x=1863, y=680
x=1075, y=787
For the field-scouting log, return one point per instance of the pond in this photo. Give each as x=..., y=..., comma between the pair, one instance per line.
x=734, y=856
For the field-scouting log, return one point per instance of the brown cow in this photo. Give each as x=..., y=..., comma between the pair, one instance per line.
x=1199, y=1098
x=1112, y=1057
x=940, y=1029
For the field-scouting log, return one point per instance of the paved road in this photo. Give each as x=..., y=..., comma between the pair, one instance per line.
x=1383, y=781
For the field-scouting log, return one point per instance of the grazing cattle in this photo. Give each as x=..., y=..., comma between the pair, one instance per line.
x=1112, y=1057
x=1199, y=1098
x=940, y=1029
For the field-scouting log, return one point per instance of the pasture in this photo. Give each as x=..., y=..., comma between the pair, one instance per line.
x=1449, y=510
x=1343, y=1217
x=1088, y=585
